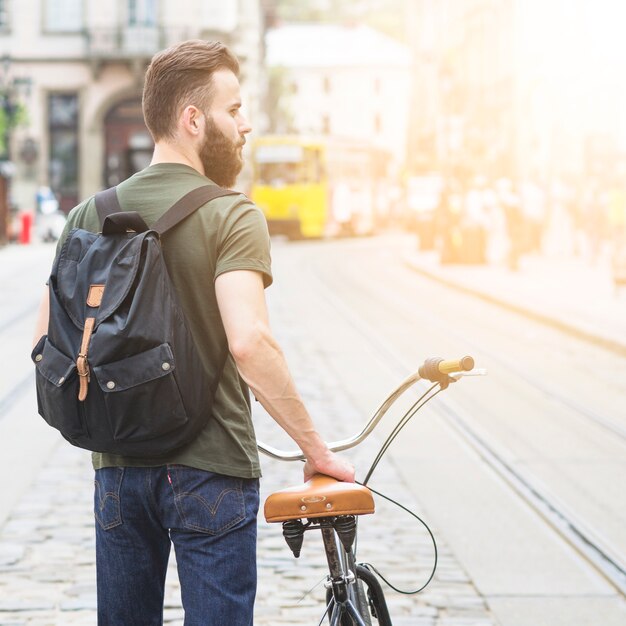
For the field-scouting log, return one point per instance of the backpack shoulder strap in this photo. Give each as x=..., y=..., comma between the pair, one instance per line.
x=188, y=204
x=107, y=203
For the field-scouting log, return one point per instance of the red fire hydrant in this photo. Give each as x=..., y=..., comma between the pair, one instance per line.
x=26, y=227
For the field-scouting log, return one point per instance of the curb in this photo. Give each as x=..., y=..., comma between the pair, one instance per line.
x=611, y=345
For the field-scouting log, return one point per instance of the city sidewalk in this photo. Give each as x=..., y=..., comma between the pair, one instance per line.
x=563, y=291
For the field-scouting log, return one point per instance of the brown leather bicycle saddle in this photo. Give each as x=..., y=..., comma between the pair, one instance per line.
x=321, y=496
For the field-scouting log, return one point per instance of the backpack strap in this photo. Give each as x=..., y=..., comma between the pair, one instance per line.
x=112, y=218
x=188, y=204
x=107, y=203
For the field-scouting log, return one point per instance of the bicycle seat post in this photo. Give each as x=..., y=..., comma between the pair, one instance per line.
x=339, y=577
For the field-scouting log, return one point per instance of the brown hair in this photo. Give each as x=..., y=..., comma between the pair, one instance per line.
x=179, y=76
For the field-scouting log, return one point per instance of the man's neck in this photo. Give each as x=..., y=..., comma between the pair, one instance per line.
x=169, y=153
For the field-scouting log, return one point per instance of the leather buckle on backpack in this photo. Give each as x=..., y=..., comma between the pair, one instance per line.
x=82, y=367
x=82, y=364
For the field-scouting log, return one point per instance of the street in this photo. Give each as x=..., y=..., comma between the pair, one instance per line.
x=518, y=474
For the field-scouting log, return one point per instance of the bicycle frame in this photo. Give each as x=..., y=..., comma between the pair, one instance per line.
x=341, y=577
x=345, y=596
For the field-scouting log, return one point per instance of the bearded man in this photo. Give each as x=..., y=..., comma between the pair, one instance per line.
x=202, y=498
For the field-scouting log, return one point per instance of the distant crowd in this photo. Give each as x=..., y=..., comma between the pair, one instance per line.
x=480, y=220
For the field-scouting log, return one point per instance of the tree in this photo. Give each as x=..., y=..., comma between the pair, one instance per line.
x=12, y=115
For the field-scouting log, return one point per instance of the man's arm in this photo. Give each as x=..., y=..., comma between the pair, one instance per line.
x=41, y=325
x=261, y=363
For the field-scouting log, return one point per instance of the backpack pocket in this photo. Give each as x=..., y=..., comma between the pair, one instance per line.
x=57, y=389
x=141, y=395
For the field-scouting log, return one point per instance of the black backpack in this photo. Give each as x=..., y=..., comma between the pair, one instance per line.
x=118, y=370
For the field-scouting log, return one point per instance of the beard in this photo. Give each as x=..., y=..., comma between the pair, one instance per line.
x=220, y=156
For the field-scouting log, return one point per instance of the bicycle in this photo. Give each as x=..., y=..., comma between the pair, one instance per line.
x=354, y=595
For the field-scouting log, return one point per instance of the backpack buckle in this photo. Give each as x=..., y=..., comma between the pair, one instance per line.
x=82, y=368
x=82, y=364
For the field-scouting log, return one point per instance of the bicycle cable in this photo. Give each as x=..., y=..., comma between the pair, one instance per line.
x=415, y=407
x=410, y=412
x=326, y=612
x=408, y=415
x=432, y=537
x=307, y=593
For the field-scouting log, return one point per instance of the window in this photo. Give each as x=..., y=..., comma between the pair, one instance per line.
x=4, y=14
x=142, y=13
x=326, y=124
x=281, y=165
x=63, y=132
x=64, y=16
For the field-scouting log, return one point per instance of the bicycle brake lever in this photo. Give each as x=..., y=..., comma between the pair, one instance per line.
x=478, y=371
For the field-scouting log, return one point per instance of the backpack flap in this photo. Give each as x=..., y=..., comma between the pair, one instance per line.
x=52, y=364
x=145, y=380
x=135, y=370
x=86, y=261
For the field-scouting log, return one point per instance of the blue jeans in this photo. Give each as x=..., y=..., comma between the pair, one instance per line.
x=210, y=519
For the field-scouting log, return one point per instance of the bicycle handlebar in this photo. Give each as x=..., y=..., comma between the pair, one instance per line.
x=435, y=370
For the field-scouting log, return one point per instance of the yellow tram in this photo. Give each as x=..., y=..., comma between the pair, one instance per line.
x=316, y=187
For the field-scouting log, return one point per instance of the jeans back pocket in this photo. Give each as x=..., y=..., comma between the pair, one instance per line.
x=207, y=502
x=107, y=502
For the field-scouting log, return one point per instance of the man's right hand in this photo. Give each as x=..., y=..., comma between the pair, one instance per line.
x=330, y=464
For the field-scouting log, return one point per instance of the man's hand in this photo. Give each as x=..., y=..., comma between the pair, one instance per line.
x=331, y=465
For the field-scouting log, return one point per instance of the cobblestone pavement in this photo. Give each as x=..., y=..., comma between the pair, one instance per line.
x=47, y=574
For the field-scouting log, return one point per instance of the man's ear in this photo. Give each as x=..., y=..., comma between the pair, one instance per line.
x=192, y=120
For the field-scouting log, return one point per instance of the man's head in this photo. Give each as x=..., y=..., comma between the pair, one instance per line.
x=192, y=100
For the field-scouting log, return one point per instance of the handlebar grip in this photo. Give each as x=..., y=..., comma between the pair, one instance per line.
x=437, y=369
x=450, y=366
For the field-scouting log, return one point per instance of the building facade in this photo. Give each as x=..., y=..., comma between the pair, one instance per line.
x=74, y=69
x=346, y=81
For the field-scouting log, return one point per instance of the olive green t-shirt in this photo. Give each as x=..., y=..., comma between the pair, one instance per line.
x=226, y=234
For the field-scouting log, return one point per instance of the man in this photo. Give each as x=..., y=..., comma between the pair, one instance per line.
x=203, y=498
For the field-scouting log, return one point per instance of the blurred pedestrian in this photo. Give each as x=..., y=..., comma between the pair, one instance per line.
x=204, y=498
x=534, y=207
x=616, y=213
x=448, y=221
x=592, y=220
x=475, y=222
x=515, y=226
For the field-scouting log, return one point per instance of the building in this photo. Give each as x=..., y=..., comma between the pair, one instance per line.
x=523, y=88
x=345, y=81
x=76, y=68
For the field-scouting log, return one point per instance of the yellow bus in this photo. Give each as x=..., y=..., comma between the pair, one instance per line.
x=316, y=187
